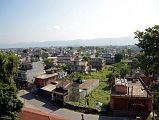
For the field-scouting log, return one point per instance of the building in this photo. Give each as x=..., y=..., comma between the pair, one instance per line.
x=34, y=114
x=130, y=98
x=26, y=73
x=97, y=63
x=63, y=59
x=61, y=92
x=89, y=85
x=50, y=81
x=45, y=79
x=79, y=65
x=25, y=66
x=53, y=59
x=81, y=88
x=108, y=57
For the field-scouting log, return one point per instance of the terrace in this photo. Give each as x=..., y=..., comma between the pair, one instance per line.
x=129, y=88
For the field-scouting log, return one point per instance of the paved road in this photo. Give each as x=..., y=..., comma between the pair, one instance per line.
x=46, y=106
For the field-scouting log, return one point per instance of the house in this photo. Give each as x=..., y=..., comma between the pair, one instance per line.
x=130, y=98
x=61, y=92
x=89, y=85
x=45, y=79
x=34, y=114
x=97, y=63
x=81, y=88
x=49, y=81
x=64, y=59
x=25, y=66
x=79, y=65
x=53, y=59
x=26, y=73
x=108, y=57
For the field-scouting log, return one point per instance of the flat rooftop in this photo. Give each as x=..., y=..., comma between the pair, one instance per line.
x=134, y=88
x=88, y=83
x=45, y=76
x=49, y=87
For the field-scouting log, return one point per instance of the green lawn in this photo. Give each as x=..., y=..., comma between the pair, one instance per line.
x=100, y=94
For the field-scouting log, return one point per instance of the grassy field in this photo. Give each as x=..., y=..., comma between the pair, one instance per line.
x=100, y=94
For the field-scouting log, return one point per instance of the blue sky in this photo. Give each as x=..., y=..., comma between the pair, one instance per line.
x=46, y=20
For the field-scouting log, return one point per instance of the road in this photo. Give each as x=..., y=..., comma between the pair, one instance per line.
x=36, y=102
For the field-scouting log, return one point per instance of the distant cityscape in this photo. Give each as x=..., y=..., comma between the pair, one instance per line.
x=79, y=60
x=76, y=43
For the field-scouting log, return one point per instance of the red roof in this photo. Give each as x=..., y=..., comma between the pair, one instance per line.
x=34, y=114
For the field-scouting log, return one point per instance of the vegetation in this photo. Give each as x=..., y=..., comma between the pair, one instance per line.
x=48, y=63
x=121, y=68
x=149, y=42
x=118, y=57
x=149, y=56
x=9, y=103
x=67, y=68
x=118, y=70
x=86, y=58
x=100, y=94
x=9, y=67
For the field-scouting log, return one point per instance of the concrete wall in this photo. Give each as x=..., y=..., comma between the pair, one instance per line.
x=135, y=104
x=121, y=89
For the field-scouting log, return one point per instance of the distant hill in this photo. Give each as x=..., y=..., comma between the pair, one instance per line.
x=79, y=42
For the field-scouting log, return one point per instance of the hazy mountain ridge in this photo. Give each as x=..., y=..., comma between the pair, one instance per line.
x=79, y=42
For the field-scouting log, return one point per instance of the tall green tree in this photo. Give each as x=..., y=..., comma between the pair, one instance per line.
x=9, y=63
x=149, y=42
x=121, y=68
x=9, y=103
x=149, y=56
x=118, y=57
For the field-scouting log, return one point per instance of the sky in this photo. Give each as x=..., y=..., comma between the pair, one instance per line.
x=48, y=20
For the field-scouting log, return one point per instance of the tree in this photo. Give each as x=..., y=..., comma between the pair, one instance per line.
x=9, y=103
x=125, y=69
x=122, y=69
x=149, y=42
x=75, y=76
x=67, y=68
x=129, y=50
x=25, y=51
x=118, y=57
x=111, y=77
x=9, y=66
x=48, y=63
x=149, y=56
x=86, y=58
